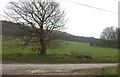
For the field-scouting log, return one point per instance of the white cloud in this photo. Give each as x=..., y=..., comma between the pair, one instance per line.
x=85, y=21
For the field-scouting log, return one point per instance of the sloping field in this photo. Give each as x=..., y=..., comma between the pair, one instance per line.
x=99, y=54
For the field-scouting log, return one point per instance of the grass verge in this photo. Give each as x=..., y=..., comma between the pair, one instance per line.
x=107, y=71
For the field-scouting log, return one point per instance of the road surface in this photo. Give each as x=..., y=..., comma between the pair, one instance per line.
x=53, y=69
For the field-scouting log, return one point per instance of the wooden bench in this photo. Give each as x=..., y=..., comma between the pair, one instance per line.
x=81, y=53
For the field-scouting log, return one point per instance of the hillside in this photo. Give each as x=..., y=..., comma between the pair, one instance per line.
x=14, y=29
x=11, y=51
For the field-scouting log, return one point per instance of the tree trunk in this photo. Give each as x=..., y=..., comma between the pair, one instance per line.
x=43, y=52
x=43, y=47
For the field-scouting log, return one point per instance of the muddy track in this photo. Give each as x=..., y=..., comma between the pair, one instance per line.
x=53, y=69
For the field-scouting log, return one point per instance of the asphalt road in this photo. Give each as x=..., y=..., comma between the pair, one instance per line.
x=52, y=69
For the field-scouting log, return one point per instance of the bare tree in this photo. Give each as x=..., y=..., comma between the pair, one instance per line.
x=42, y=18
x=109, y=37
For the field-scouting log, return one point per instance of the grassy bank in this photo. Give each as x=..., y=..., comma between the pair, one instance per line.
x=61, y=54
x=107, y=71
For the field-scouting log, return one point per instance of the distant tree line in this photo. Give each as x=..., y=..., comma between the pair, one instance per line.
x=109, y=38
x=15, y=30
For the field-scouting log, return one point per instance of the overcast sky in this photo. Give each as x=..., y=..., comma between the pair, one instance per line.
x=85, y=21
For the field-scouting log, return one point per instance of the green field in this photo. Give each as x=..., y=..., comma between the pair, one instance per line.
x=61, y=54
x=107, y=71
